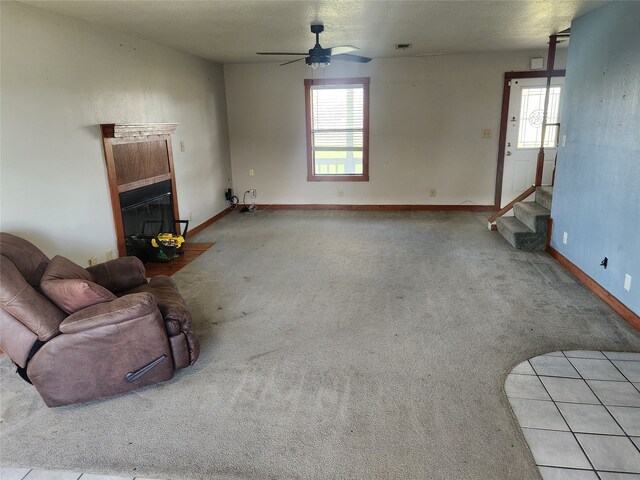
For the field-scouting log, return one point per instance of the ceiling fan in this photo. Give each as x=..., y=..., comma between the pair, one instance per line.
x=319, y=56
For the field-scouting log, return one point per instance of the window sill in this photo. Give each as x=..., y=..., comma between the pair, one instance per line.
x=337, y=178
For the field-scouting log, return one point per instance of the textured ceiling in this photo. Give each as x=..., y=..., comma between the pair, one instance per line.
x=231, y=31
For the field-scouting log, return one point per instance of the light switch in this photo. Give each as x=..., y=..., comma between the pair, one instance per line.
x=486, y=133
x=182, y=146
x=251, y=172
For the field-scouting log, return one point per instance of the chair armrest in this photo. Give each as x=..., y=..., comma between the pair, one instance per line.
x=127, y=307
x=120, y=274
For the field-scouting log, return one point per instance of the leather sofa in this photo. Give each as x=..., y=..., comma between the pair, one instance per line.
x=82, y=334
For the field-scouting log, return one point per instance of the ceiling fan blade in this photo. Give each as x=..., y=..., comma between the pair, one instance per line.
x=351, y=58
x=342, y=49
x=292, y=61
x=281, y=53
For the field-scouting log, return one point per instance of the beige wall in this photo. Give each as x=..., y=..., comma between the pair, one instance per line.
x=61, y=78
x=427, y=116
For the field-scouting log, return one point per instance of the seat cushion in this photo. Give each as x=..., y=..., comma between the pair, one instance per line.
x=71, y=287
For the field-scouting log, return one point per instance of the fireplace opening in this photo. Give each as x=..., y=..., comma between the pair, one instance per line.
x=150, y=202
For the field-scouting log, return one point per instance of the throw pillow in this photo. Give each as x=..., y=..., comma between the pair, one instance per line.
x=71, y=287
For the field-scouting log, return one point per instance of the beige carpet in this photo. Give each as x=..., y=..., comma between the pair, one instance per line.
x=334, y=345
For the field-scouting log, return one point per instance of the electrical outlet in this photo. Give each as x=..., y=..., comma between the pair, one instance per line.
x=627, y=282
x=486, y=133
x=340, y=192
x=190, y=217
x=565, y=237
x=182, y=145
x=251, y=172
x=93, y=261
x=252, y=192
x=109, y=254
x=433, y=192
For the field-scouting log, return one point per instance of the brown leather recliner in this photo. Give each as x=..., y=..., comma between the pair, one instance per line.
x=138, y=334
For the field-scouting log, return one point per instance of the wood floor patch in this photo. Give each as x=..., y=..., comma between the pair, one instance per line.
x=191, y=252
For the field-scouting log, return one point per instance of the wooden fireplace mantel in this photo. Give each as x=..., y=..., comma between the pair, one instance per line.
x=120, y=130
x=137, y=155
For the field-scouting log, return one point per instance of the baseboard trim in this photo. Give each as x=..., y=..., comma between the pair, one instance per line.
x=211, y=221
x=385, y=208
x=619, y=307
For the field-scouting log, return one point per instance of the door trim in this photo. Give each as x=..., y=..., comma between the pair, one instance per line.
x=504, y=120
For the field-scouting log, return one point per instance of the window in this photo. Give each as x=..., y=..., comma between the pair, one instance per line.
x=531, y=112
x=337, y=129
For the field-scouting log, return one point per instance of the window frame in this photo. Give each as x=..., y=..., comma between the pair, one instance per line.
x=353, y=177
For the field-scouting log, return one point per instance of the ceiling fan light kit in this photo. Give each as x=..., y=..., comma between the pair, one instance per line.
x=317, y=64
x=321, y=57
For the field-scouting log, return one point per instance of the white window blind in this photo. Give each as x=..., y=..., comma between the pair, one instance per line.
x=337, y=125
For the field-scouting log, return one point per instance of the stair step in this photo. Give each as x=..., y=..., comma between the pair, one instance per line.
x=519, y=235
x=544, y=195
x=533, y=215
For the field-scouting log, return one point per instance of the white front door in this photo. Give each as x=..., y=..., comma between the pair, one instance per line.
x=524, y=133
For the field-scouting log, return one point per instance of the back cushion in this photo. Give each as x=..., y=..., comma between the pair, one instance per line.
x=71, y=287
x=28, y=259
x=31, y=308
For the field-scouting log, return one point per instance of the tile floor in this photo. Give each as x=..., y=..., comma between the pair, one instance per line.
x=580, y=413
x=7, y=473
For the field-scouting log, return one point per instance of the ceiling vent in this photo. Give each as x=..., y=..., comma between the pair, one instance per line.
x=403, y=46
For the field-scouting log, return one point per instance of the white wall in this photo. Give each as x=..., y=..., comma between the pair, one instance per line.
x=426, y=119
x=61, y=78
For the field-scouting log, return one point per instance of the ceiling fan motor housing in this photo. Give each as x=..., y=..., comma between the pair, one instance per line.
x=319, y=55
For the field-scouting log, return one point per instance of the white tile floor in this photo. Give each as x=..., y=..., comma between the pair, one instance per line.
x=580, y=413
x=7, y=473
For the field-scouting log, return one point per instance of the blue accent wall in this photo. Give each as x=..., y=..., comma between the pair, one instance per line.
x=596, y=197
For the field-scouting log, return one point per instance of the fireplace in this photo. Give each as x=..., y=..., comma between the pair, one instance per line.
x=139, y=162
x=151, y=202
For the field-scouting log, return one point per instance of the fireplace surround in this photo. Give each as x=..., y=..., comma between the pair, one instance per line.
x=139, y=161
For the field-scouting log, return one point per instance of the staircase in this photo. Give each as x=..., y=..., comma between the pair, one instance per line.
x=527, y=229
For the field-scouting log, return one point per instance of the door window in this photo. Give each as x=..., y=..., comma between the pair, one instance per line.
x=531, y=113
